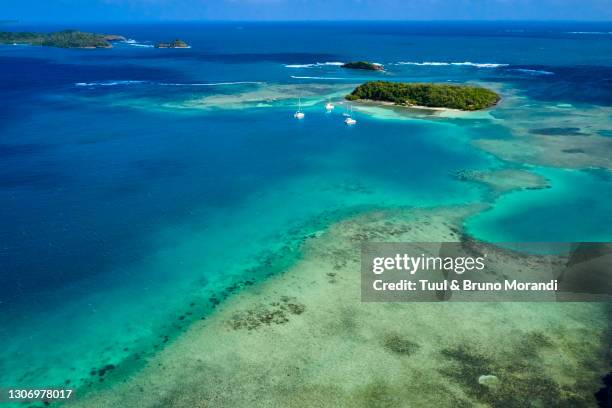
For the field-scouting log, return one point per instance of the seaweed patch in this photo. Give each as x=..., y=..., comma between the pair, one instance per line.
x=400, y=345
x=512, y=378
x=275, y=313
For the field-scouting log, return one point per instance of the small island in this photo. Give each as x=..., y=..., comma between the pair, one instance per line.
x=173, y=44
x=369, y=66
x=61, y=39
x=462, y=97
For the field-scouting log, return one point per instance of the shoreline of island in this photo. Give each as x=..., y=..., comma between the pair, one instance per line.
x=75, y=39
x=465, y=98
x=385, y=104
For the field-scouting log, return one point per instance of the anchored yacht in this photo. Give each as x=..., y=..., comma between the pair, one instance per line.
x=349, y=120
x=299, y=114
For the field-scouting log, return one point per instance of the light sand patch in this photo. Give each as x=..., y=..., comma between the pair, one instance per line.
x=555, y=151
x=264, y=95
x=231, y=97
x=390, y=110
x=557, y=135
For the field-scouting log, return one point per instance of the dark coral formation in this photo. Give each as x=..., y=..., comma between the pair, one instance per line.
x=274, y=313
x=103, y=370
x=522, y=380
x=558, y=131
x=400, y=345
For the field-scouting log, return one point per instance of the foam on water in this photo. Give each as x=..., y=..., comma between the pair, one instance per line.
x=465, y=63
x=591, y=32
x=213, y=84
x=323, y=78
x=315, y=65
x=533, y=71
x=135, y=43
x=133, y=82
x=110, y=83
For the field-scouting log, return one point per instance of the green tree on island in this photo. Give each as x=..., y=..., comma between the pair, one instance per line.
x=60, y=39
x=431, y=95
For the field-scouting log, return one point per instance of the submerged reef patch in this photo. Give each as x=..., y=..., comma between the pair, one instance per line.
x=558, y=131
x=400, y=345
x=501, y=181
x=513, y=377
x=274, y=313
x=379, y=394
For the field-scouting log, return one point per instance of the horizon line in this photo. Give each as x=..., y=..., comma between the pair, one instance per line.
x=314, y=20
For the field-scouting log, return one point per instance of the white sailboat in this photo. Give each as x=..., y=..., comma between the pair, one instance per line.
x=299, y=114
x=329, y=106
x=349, y=120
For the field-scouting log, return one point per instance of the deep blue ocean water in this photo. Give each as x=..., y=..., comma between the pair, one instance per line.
x=136, y=181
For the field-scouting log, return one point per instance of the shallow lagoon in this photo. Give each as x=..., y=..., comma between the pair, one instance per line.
x=574, y=209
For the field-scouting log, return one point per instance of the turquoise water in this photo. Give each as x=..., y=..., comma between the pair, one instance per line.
x=138, y=184
x=574, y=209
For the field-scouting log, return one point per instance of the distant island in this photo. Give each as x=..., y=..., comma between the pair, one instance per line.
x=363, y=65
x=61, y=39
x=173, y=44
x=463, y=97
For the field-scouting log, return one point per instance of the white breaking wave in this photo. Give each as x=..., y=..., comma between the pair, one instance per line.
x=135, y=43
x=480, y=65
x=466, y=63
x=533, y=71
x=316, y=64
x=130, y=82
x=591, y=32
x=210, y=84
x=423, y=63
x=109, y=83
x=315, y=77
